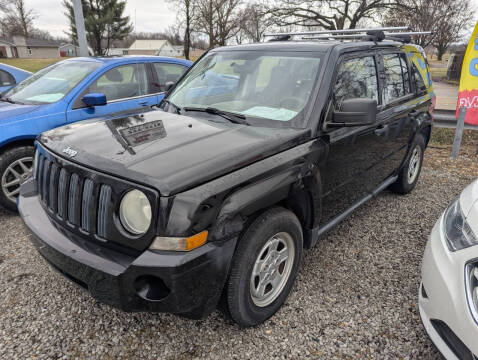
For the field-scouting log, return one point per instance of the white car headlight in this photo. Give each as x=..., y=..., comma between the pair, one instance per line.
x=135, y=212
x=457, y=231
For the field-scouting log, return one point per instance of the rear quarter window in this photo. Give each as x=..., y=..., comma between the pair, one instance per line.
x=421, y=65
x=6, y=79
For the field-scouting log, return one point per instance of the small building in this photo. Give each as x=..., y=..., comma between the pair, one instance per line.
x=20, y=46
x=116, y=51
x=178, y=50
x=7, y=49
x=68, y=50
x=151, y=47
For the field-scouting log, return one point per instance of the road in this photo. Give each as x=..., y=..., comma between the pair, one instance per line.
x=447, y=95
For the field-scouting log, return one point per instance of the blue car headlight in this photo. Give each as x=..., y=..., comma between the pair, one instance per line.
x=458, y=232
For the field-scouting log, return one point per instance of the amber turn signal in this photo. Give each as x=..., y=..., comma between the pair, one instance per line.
x=179, y=243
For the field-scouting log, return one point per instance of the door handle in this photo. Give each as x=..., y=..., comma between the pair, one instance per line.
x=381, y=129
x=143, y=103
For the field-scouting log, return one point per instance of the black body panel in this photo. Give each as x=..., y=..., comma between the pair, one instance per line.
x=203, y=173
x=189, y=152
x=188, y=283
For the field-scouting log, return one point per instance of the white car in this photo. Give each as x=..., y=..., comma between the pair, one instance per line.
x=448, y=295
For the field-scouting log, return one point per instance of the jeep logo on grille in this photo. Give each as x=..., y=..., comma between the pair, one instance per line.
x=70, y=152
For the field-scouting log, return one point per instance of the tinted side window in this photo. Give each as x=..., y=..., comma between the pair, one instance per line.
x=397, y=81
x=121, y=82
x=166, y=73
x=6, y=79
x=418, y=80
x=357, y=78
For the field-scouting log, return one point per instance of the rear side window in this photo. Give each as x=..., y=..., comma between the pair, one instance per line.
x=397, y=80
x=167, y=73
x=356, y=78
x=6, y=79
x=418, y=80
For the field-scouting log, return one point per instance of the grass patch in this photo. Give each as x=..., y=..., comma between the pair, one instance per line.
x=32, y=65
x=444, y=136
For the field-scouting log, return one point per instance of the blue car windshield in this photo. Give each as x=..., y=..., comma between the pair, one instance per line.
x=51, y=83
x=261, y=85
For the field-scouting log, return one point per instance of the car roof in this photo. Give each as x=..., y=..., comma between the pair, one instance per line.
x=311, y=45
x=118, y=59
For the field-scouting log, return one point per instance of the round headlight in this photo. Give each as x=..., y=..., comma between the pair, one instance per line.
x=135, y=212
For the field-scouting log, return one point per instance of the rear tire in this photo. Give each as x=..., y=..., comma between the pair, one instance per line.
x=15, y=168
x=410, y=173
x=264, y=267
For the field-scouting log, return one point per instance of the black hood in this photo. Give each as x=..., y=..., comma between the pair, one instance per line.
x=167, y=151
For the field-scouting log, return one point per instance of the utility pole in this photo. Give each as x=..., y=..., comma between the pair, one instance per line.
x=80, y=27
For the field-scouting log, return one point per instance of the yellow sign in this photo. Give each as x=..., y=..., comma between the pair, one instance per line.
x=468, y=91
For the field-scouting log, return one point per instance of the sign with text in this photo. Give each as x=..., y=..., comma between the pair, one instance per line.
x=468, y=91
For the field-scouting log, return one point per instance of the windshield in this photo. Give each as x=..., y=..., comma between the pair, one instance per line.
x=52, y=83
x=257, y=84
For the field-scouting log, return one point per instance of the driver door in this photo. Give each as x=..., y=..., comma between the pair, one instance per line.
x=352, y=169
x=126, y=88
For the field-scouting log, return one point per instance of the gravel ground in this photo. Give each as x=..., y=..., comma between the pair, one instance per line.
x=355, y=296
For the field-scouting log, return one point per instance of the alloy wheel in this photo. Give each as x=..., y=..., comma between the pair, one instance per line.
x=414, y=164
x=15, y=175
x=272, y=269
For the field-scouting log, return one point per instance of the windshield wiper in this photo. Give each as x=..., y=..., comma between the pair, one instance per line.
x=230, y=116
x=7, y=99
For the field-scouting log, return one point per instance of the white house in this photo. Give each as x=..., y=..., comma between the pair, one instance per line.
x=151, y=47
x=178, y=50
x=68, y=50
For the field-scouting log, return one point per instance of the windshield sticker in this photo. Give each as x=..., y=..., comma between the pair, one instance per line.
x=46, y=98
x=271, y=113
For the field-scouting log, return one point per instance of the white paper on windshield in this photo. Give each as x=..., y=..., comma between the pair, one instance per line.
x=271, y=113
x=47, y=98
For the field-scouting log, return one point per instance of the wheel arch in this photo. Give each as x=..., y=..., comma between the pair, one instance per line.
x=288, y=189
x=427, y=132
x=17, y=142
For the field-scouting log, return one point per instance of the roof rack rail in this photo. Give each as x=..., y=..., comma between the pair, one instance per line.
x=346, y=31
x=370, y=35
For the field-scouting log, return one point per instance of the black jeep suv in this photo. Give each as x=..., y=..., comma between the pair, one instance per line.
x=253, y=155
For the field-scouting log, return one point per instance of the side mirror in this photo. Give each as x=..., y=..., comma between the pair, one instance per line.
x=355, y=112
x=94, y=99
x=168, y=85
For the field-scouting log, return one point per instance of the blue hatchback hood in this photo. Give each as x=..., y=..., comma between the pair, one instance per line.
x=9, y=111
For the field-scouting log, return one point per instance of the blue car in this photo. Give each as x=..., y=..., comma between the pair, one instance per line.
x=10, y=76
x=73, y=90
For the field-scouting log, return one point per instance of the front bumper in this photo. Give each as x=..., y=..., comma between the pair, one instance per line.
x=443, y=304
x=188, y=283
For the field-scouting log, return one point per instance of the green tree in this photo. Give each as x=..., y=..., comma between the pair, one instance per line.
x=104, y=22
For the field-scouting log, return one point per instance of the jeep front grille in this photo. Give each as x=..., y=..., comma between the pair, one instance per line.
x=73, y=198
x=83, y=201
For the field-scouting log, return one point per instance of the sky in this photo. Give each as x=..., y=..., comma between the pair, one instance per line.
x=151, y=15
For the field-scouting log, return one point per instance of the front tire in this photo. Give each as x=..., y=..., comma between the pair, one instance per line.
x=264, y=267
x=15, y=167
x=410, y=173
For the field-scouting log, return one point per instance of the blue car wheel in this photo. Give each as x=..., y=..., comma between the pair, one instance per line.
x=15, y=167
